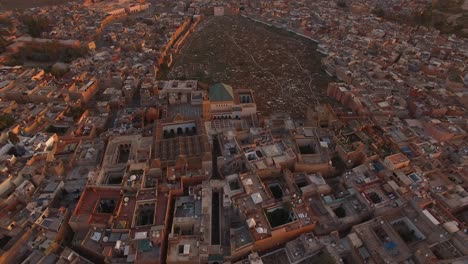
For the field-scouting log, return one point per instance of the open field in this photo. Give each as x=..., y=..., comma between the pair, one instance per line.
x=25, y=4
x=451, y=17
x=283, y=69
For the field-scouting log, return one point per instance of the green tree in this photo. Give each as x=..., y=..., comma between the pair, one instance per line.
x=51, y=129
x=50, y=51
x=13, y=62
x=379, y=11
x=341, y=3
x=3, y=44
x=35, y=24
x=14, y=139
x=5, y=20
x=340, y=212
x=58, y=72
x=6, y=121
x=75, y=112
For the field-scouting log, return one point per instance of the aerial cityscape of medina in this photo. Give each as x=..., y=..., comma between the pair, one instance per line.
x=233, y=131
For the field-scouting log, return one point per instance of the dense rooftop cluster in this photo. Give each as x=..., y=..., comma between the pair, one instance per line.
x=104, y=161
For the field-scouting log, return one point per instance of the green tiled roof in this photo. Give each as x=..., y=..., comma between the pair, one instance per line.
x=221, y=92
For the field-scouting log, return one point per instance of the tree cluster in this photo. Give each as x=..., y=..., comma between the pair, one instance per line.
x=50, y=52
x=379, y=11
x=6, y=121
x=3, y=44
x=75, y=112
x=5, y=21
x=341, y=3
x=35, y=24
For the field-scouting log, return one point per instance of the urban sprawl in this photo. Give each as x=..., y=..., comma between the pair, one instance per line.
x=242, y=131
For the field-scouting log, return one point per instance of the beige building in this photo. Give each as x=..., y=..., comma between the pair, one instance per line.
x=83, y=88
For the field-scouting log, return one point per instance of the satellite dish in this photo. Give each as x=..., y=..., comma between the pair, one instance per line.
x=133, y=177
x=126, y=199
x=105, y=239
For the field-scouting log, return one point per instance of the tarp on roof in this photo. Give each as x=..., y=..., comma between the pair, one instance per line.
x=144, y=245
x=355, y=240
x=251, y=222
x=257, y=198
x=431, y=217
x=141, y=235
x=390, y=245
x=247, y=182
x=451, y=226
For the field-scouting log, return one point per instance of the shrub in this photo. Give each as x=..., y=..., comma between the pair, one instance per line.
x=36, y=25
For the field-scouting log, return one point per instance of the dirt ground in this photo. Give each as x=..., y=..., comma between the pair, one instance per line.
x=451, y=17
x=283, y=69
x=25, y=4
